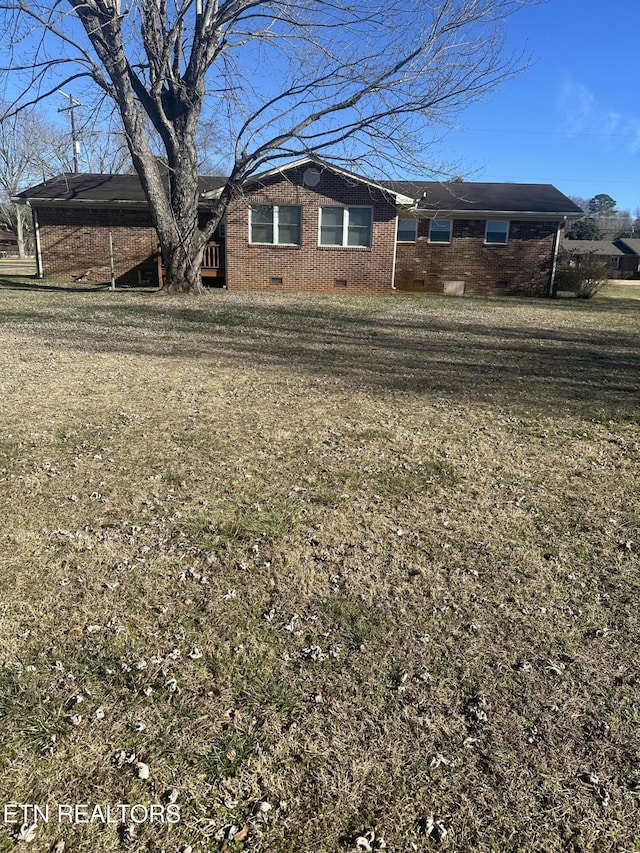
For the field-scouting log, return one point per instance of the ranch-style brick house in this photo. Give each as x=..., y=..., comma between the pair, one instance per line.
x=622, y=256
x=310, y=226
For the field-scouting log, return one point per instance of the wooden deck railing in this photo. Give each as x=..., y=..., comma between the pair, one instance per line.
x=212, y=263
x=213, y=258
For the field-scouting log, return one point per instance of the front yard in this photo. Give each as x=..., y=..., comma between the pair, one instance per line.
x=319, y=567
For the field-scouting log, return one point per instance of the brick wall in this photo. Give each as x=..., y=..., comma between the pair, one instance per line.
x=522, y=266
x=75, y=243
x=309, y=266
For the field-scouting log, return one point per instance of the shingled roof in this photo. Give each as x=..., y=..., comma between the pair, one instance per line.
x=630, y=245
x=592, y=247
x=467, y=196
x=108, y=189
x=429, y=196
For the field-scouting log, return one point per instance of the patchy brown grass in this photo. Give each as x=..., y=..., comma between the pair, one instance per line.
x=372, y=562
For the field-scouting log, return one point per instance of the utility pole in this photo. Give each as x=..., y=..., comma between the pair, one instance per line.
x=75, y=142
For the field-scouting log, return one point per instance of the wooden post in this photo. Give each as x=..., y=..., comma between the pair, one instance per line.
x=160, y=275
x=111, y=263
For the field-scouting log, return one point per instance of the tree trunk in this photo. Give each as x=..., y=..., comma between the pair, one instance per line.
x=20, y=230
x=182, y=263
x=177, y=222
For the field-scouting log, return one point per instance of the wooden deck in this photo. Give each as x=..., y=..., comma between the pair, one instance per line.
x=212, y=263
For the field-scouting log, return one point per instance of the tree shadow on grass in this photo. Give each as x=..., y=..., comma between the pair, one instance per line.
x=457, y=353
x=23, y=283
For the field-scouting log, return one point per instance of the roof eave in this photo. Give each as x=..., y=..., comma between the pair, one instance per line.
x=133, y=204
x=212, y=195
x=504, y=214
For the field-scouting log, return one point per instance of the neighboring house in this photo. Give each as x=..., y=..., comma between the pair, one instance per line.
x=631, y=248
x=314, y=227
x=622, y=257
x=8, y=244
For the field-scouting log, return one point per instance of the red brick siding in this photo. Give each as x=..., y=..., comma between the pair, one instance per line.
x=523, y=264
x=309, y=266
x=75, y=242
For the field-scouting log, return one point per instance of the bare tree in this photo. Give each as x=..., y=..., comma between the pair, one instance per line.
x=104, y=153
x=30, y=150
x=349, y=79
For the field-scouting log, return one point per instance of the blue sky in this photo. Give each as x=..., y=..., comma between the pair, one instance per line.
x=573, y=118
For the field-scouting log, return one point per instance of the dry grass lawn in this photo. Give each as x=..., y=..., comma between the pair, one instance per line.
x=343, y=574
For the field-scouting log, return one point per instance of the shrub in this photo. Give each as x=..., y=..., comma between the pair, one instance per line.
x=584, y=275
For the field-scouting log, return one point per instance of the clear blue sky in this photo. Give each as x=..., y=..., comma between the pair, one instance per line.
x=573, y=118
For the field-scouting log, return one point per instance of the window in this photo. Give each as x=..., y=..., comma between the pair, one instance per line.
x=440, y=231
x=407, y=230
x=497, y=232
x=275, y=224
x=614, y=262
x=345, y=226
x=288, y=221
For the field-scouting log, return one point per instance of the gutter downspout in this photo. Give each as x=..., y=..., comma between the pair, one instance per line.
x=395, y=250
x=36, y=231
x=554, y=260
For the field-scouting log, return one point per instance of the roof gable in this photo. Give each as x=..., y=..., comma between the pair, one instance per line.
x=311, y=161
x=630, y=245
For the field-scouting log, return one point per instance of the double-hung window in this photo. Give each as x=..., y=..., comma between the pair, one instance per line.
x=440, y=231
x=497, y=233
x=407, y=230
x=277, y=224
x=346, y=226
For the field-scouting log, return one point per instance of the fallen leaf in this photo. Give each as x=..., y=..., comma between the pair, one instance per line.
x=588, y=780
x=241, y=834
x=363, y=842
x=27, y=832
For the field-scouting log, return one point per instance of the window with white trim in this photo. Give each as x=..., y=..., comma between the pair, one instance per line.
x=614, y=262
x=277, y=224
x=497, y=233
x=440, y=231
x=407, y=230
x=346, y=226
